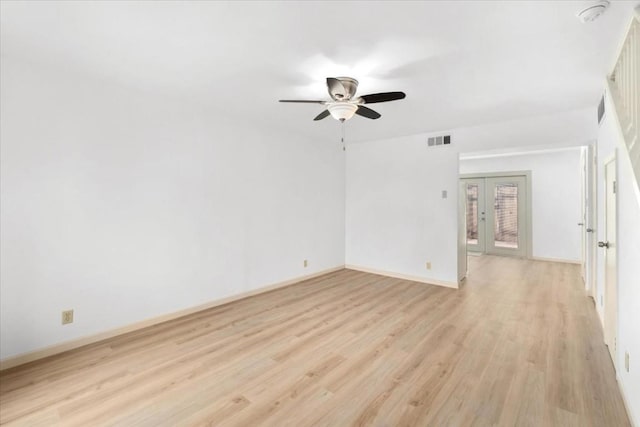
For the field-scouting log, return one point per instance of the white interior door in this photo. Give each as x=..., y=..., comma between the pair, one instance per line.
x=475, y=213
x=506, y=216
x=583, y=214
x=610, y=261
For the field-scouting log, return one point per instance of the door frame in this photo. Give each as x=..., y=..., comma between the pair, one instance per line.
x=610, y=326
x=480, y=182
x=528, y=197
x=462, y=231
x=584, y=247
x=590, y=221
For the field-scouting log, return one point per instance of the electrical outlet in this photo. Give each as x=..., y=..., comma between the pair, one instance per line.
x=626, y=360
x=67, y=317
x=428, y=265
x=305, y=263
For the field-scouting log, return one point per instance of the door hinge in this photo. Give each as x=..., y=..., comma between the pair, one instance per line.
x=615, y=187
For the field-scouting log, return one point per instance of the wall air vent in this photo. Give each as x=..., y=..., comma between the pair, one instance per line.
x=601, y=110
x=432, y=141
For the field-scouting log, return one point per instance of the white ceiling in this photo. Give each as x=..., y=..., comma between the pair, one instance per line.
x=460, y=63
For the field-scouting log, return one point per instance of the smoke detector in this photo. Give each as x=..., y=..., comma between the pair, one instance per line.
x=592, y=12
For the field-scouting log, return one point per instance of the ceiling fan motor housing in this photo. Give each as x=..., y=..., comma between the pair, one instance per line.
x=348, y=90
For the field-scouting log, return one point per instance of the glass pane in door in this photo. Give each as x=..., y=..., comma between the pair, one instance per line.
x=506, y=216
x=472, y=214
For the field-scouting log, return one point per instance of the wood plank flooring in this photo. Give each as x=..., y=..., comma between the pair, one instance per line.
x=518, y=345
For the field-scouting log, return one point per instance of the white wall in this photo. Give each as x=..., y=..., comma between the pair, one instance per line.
x=124, y=206
x=396, y=218
x=628, y=252
x=555, y=198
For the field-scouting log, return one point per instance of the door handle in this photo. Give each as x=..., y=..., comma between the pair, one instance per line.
x=581, y=224
x=603, y=245
x=589, y=230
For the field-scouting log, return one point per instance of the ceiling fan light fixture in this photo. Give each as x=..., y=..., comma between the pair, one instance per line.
x=342, y=110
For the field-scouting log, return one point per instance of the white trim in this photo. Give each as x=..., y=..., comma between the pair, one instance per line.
x=393, y=274
x=610, y=158
x=524, y=152
x=494, y=174
x=567, y=261
x=620, y=386
x=31, y=356
x=625, y=402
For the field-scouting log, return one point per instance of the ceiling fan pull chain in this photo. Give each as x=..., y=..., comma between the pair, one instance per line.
x=343, y=147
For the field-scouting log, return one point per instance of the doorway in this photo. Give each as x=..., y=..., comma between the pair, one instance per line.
x=497, y=214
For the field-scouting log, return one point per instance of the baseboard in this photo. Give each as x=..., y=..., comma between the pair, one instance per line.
x=624, y=401
x=620, y=387
x=31, y=356
x=446, y=284
x=566, y=261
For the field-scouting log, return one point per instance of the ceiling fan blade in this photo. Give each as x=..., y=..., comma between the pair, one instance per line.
x=322, y=115
x=382, y=97
x=336, y=89
x=303, y=101
x=367, y=112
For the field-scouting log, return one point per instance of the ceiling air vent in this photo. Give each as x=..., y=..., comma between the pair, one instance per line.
x=432, y=141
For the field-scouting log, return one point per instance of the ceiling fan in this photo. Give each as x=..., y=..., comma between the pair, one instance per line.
x=344, y=104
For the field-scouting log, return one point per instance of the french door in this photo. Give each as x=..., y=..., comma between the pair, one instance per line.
x=476, y=214
x=496, y=214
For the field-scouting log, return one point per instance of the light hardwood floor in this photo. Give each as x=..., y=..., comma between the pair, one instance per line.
x=518, y=345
